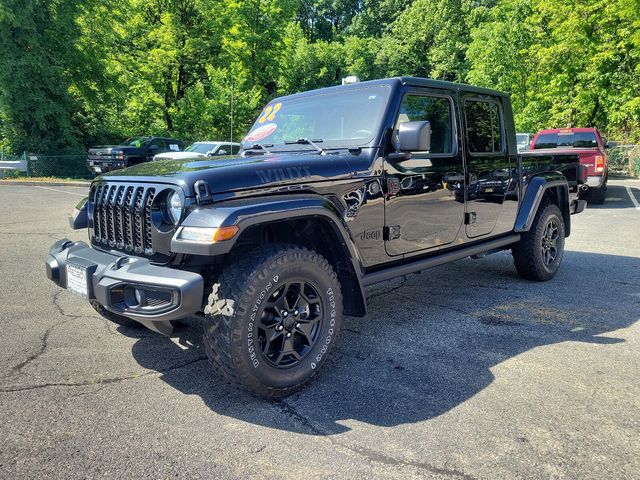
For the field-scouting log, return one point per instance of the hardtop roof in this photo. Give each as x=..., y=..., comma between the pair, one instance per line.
x=412, y=81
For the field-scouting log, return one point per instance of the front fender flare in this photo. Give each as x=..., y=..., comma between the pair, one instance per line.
x=263, y=210
x=533, y=195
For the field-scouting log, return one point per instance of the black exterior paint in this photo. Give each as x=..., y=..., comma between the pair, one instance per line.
x=390, y=216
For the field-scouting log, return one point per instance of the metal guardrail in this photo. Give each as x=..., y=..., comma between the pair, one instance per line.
x=37, y=165
x=19, y=165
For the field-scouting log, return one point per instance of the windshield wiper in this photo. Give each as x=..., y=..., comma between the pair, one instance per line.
x=259, y=146
x=306, y=141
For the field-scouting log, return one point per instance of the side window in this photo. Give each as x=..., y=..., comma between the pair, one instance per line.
x=484, y=133
x=158, y=144
x=435, y=110
x=235, y=149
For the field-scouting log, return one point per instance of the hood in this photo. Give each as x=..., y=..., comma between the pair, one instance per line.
x=102, y=148
x=179, y=155
x=127, y=149
x=233, y=173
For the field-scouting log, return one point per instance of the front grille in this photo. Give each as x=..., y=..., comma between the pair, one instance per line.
x=122, y=217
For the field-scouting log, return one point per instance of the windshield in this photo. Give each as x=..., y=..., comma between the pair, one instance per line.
x=347, y=117
x=567, y=139
x=201, y=147
x=135, y=141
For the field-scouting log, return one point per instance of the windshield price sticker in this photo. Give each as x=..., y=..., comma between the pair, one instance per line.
x=270, y=112
x=261, y=132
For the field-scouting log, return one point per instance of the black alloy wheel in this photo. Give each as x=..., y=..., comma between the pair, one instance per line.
x=550, y=241
x=290, y=323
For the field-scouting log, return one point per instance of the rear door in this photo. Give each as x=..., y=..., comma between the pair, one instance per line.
x=487, y=162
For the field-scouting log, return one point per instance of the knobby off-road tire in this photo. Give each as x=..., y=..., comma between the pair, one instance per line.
x=538, y=254
x=272, y=318
x=115, y=318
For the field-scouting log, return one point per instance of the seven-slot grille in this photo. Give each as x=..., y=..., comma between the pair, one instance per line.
x=122, y=217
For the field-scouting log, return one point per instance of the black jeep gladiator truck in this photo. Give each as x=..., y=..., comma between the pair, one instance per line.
x=131, y=152
x=335, y=189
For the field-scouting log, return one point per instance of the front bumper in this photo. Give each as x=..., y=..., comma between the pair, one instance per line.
x=129, y=286
x=98, y=166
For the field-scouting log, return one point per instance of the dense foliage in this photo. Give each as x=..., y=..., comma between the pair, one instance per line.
x=79, y=73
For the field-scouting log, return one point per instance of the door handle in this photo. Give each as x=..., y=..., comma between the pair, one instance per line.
x=453, y=178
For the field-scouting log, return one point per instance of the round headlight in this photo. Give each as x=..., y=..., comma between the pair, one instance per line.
x=174, y=207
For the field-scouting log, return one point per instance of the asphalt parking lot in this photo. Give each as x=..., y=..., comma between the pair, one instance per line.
x=464, y=371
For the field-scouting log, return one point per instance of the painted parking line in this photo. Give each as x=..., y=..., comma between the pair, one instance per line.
x=633, y=198
x=63, y=191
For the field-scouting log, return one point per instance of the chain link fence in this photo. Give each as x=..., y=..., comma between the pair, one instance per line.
x=59, y=166
x=624, y=160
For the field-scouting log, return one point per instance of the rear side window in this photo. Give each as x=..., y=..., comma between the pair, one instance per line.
x=435, y=110
x=235, y=149
x=546, y=140
x=484, y=132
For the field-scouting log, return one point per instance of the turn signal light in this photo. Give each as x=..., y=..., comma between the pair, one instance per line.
x=207, y=234
x=225, y=233
x=599, y=163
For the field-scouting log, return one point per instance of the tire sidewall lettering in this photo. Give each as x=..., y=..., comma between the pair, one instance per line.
x=251, y=349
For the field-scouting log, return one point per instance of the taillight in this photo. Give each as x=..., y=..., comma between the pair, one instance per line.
x=599, y=163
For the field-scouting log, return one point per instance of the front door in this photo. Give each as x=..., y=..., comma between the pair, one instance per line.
x=488, y=170
x=424, y=205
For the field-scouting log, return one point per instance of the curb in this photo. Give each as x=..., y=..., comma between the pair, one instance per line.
x=50, y=184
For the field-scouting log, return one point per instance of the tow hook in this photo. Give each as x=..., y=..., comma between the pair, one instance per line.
x=584, y=187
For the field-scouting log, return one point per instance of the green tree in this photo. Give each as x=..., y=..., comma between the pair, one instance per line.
x=428, y=39
x=47, y=74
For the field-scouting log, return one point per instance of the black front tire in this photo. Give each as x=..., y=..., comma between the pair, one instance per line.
x=114, y=317
x=538, y=254
x=255, y=337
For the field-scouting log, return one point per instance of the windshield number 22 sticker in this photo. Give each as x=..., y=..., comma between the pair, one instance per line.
x=270, y=112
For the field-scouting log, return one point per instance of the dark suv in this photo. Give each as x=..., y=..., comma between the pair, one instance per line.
x=131, y=152
x=336, y=189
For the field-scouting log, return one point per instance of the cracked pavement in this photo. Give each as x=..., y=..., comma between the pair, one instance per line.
x=464, y=371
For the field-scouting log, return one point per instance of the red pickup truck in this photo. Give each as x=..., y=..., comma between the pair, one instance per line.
x=588, y=144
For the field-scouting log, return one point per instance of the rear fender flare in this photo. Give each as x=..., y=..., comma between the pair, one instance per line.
x=536, y=188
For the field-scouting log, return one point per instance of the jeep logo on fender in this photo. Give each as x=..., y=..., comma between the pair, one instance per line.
x=371, y=235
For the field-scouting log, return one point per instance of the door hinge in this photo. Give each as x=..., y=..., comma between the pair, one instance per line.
x=470, y=218
x=391, y=232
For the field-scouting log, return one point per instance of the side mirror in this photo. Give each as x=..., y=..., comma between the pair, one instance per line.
x=610, y=144
x=414, y=137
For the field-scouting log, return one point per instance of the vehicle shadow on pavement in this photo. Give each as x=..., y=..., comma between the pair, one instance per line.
x=428, y=343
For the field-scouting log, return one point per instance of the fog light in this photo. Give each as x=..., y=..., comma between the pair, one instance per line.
x=139, y=297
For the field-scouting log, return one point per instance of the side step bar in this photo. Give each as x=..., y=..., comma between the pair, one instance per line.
x=434, y=261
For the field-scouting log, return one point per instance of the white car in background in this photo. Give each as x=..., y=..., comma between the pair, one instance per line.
x=523, y=140
x=201, y=149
